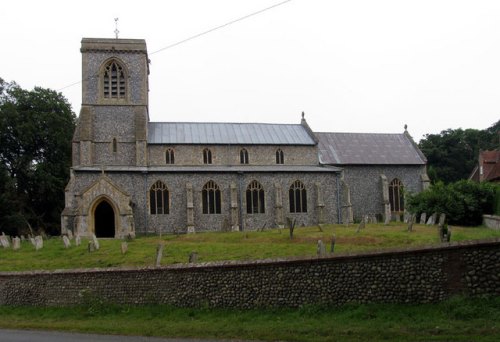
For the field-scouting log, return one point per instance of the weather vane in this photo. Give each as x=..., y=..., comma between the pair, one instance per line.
x=116, y=28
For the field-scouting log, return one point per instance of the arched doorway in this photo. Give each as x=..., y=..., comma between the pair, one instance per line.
x=104, y=220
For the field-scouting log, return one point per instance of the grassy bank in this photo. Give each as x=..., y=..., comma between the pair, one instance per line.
x=454, y=320
x=228, y=246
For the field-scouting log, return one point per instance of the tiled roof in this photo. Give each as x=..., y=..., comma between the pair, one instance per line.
x=227, y=133
x=368, y=148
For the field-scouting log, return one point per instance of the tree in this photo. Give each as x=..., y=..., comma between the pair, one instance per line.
x=452, y=154
x=36, y=128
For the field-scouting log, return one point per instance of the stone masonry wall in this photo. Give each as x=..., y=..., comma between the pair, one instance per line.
x=410, y=276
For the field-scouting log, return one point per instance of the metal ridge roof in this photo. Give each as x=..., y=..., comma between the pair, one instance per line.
x=211, y=168
x=227, y=133
x=368, y=148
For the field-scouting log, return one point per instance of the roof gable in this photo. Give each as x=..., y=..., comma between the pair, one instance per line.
x=227, y=134
x=368, y=148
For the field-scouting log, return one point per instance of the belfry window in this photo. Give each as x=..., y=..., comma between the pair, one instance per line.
x=243, y=156
x=298, y=197
x=114, y=83
x=255, y=198
x=280, y=157
x=169, y=156
x=207, y=156
x=396, y=196
x=159, y=199
x=210, y=198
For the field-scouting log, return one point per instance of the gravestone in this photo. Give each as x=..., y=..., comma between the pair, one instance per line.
x=193, y=257
x=67, y=243
x=95, y=242
x=159, y=254
x=423, y=217
x=16, y=243
x=23, y=238
x=33, y=242
x=411, y=220
x=90, y=247
x=38, y=242
x=124, y=247
x=78, y=240
x=70, y=235
x=321, y=250
x=332, y=244
x=361, y=225
x=387, y=218
x=442, y=219
x=4, y=241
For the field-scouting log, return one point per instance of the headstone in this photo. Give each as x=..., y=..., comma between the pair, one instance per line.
x=411, y=220
x=33, y=242
x=78, y=240
x=193, y=257
x=91, y=246
x=374, y=219
x=4, y=241
x=361, y=225
x=332, y=244
x=423, y=217
x=23, y=238
x=70, y=235
x=434, y=218
x=66, y=241
x=442, y=219
x=16, y=243
x=95, y=241
x=159, y=254
x=124, y=247
x=38, y=242
x=321, y=250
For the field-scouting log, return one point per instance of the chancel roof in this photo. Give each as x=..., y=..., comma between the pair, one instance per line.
x=368, y=148
x=227, y=133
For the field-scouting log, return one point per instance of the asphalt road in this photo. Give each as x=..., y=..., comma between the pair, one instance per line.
x=7, y=335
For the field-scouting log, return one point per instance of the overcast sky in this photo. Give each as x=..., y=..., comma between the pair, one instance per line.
x=351, y=66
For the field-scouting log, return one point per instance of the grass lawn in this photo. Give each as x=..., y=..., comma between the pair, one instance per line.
x=457, y=319
x=272, y=243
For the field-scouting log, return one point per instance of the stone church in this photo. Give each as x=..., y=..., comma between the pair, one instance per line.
x=133, y=176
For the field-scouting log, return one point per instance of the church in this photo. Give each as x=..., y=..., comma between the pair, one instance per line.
x=132, y=176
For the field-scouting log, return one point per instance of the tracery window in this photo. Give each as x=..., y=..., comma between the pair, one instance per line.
x=169, y=156
x=298, y=197
x=207, y=156
x=280, y=157
x=243, y=156
x=255, y=198
x=159, y=199
x=396, y=196
x=210, y=198
x=114, y=82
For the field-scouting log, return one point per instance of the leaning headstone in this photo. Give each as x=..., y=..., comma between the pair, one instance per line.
x=321, y=250
x=124, y=247
x=434, y=218
x=442, y=219
x=16, y=243
x=430, y=222
x=159, y=254
x=95, y=242
x=70, y=235
x=78, y=240
x=423, y=217
x=38, y=242
x=67, y=243
x=361, y=225
x=4, y=241
x=193, y=257
x=332, y=244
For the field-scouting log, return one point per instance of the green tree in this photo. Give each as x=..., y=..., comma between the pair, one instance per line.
x=453, y=154
x=36, y=128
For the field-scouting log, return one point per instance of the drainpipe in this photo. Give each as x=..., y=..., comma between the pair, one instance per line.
x=339, y=213
x=240, y=199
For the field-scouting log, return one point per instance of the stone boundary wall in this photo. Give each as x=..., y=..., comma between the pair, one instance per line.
x=492, y=221
x=402, y=276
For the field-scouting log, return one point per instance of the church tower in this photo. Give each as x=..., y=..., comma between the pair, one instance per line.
x=112, y=127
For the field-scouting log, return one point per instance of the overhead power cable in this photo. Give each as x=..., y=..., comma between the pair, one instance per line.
x=194, y=37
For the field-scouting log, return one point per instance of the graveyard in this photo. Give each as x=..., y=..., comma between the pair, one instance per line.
x=70, y=252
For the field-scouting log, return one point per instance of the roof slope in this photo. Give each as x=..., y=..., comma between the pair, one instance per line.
x=227, y=133
x=368, y=148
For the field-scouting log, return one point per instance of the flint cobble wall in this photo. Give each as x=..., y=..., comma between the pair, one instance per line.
x=410, y=276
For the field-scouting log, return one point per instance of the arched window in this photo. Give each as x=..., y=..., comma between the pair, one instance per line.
x=207, y=156
x=298, y=197
x=280, y=157
x=114, y=145
x=210, y=198
x=159, y=199
x=169, y=156
x=243, y=156
x=255, y=198
x=114, y=82
x=396, y=196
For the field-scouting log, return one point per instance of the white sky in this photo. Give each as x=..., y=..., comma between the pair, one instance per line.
x=352, y=66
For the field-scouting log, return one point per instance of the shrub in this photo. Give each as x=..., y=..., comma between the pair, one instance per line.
x=464, y=202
